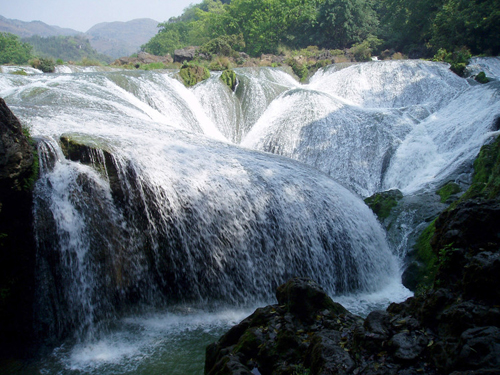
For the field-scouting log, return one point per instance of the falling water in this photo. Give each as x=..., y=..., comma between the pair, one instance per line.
x=157, y=230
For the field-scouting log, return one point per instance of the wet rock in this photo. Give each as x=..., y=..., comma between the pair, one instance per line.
x=16, y=153
x=479, y=348
x=18, y=173
x=481, y=277
x=303, y=298
x=408, y=346
x=326, y=355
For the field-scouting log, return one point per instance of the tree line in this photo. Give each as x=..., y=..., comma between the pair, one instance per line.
x=14, y=50
x=418, y=28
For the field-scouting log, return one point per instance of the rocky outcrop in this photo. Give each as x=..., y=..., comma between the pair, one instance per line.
x=185, y=54
x=453, y=327
x=143, y=58
x=18, y=170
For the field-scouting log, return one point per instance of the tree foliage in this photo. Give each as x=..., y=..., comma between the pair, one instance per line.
x=13, y=51
x=67, y=48
x=345, y=22
x=417, y=27
x=472, y=23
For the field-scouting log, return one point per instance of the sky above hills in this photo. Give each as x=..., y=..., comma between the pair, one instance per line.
x=81, y=15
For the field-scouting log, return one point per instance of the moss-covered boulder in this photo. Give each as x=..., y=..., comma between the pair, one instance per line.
x=303, y=297
x=288, y=338
x=229, y=78
x=382, y=203
x=481, y=78
x=192, y=74
x=448, y=191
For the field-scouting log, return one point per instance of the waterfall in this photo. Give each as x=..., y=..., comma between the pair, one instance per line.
x=158, y=199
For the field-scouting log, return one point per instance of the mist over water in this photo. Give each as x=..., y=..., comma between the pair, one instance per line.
x=175, y=220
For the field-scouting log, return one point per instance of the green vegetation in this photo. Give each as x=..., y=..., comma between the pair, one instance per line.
x=485, y=184
x=20, y=72
x=481, y=78
x=458, y=60
x=192, y=74
x=486, y=179
x=425, y=268
x=13, y=51
x=229, y=78
x=415, y=27
x=448, y=190
x=65, y=48
x=45, y=65
x=29, y=182
x=382, y=203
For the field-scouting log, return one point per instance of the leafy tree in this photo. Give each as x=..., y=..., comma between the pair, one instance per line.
x=67, y=48
x=472, y=23
x=345, y=22
x=266, y=24
x=13, y=51
x=408, y=23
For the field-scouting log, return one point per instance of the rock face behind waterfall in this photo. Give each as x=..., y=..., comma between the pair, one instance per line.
x=453, y=327
x=17, y=254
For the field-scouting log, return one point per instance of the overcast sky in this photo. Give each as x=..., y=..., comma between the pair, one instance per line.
x=81, y=15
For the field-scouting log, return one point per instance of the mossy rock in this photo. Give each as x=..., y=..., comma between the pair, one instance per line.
x=382, y=203
x=192, y=74
x=481, y=78
x=229, y=78
x=21, y=72
x=421, y=272
x=448, y=190
x=303, y=298
x=458, y=68
x=486, y=178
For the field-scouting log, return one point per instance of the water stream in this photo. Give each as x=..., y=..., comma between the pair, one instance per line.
x=180, y=210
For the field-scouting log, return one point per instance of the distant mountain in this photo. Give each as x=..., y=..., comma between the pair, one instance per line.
x=117, y=39
x=27, y=29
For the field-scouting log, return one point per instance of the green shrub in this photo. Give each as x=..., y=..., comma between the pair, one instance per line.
x=220, y=64
x=45, y=65
x=192, y=74
x=224, y=45
x=299, y=69
x=458, y=60
x=362, y=51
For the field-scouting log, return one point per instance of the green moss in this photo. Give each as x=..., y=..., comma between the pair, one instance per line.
x=192, y=74
x=426, y=258
x=229, y=78
x=481, y=78
x=382, y=203
x=28, y=182
x=20, y=72
x=448, y=190
x=486, y=178
x=248, y=344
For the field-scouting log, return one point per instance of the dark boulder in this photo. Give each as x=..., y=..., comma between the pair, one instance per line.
x=185, y=54
x=303, y=298
x=18, y=171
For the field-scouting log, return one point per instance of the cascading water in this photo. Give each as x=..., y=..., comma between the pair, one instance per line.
x=155, y=233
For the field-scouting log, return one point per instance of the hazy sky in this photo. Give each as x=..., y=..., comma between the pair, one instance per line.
x=81, y=15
